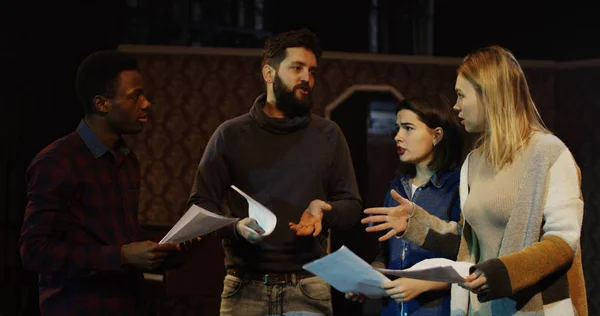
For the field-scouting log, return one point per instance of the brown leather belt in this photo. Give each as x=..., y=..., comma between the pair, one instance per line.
x=271, y=278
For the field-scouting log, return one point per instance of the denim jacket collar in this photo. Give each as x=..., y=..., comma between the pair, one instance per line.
x=437, y=179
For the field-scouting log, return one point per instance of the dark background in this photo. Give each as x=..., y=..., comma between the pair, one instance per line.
x=42, y=43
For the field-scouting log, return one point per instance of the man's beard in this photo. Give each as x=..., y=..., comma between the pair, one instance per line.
x=288, y=102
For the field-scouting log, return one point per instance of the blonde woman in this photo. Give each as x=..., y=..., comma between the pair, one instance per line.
x=521, y=204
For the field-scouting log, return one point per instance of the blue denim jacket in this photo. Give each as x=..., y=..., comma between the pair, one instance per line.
x=439, y=196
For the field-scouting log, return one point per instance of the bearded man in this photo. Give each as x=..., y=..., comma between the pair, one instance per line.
x=296, y=164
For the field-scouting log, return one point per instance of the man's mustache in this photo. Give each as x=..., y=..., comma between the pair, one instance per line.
x=303, y=85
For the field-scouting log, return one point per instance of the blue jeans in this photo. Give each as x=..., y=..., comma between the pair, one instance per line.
x=308, y=297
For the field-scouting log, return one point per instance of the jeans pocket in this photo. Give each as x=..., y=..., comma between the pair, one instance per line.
x=315, y=288
x=231, y=285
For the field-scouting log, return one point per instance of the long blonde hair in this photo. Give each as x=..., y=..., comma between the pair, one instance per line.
x=510, y=114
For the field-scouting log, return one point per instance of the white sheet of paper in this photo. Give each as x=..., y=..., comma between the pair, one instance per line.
x=195, y=222
x=347, y=272
x=435, y=269
x=263, y=216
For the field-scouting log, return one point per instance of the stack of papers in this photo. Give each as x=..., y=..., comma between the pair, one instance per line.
x=263, y=216
x=194, y=223
x=435, y=269
x=347, y=272
x=198, y=221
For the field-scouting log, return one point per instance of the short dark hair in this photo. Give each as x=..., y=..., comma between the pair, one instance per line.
x=98, y=74
x=435, y=111
x=275, y=46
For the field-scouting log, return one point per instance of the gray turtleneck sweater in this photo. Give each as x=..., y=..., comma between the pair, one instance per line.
x=284, y=164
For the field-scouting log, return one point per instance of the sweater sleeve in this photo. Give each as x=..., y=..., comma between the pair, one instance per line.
x=433, y=233
x=342, y=187
x=563, y=216
x=212, y=180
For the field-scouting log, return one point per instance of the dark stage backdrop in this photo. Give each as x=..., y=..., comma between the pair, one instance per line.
x=193, y=92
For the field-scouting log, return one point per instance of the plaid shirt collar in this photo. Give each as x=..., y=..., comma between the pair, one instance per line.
x=94, y=144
